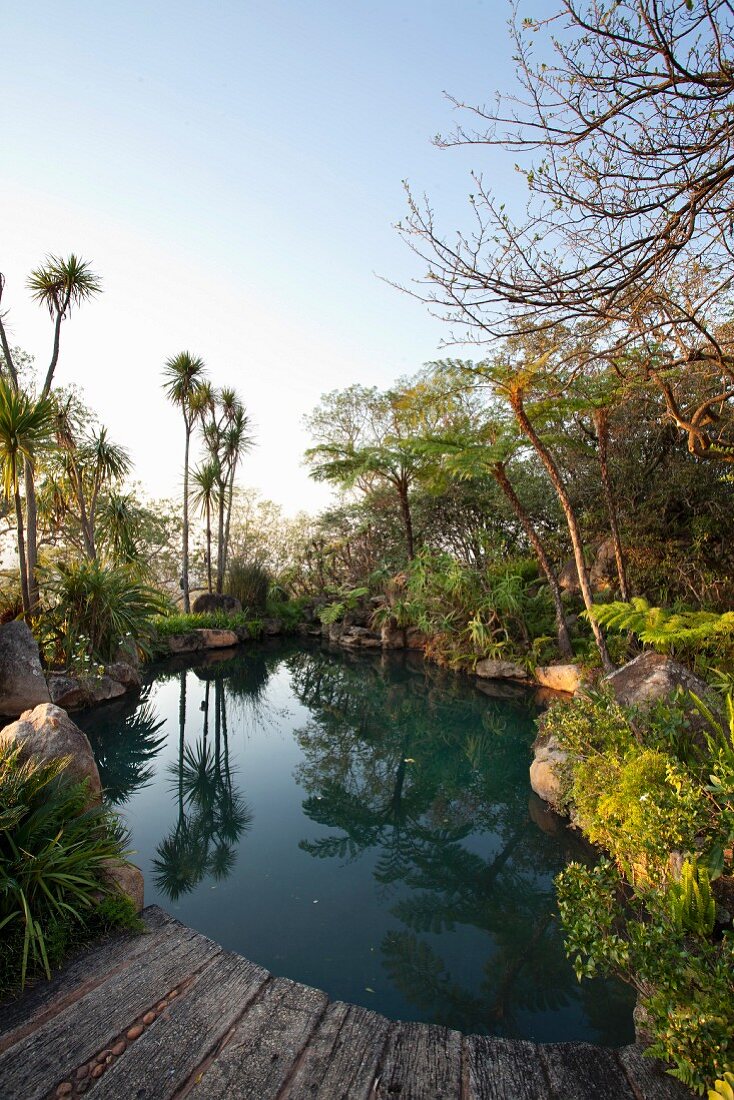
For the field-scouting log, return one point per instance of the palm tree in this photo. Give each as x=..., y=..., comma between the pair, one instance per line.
x=184, y=375
x=58, y=284
x=237, y=442
x=25, y=426
x=206, y=479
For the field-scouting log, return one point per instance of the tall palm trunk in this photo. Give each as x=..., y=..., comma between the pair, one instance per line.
x=25, y=595
x=209, y=543
x=185, y=532
x=601, y=423
x=220, y=540
x=564, y=641
x=32, y=529
x=230, y=496
x=518, y=407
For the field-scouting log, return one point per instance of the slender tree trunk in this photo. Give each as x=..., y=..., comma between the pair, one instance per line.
x=21, y=553
x=564, y=641
x=209, y=543
x=516, y=400
x=185, y=533
x=407, y=518
x=601, y=423
x=32, y=536
x=220, y=542
x=230, y=496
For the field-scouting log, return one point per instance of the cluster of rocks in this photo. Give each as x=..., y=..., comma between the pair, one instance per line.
x=359, y=636
x=648, y=679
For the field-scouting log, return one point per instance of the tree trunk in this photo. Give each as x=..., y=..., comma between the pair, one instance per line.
x=230, y=496
x=564, y=641
x=21, y=553
x=209, y=544
x=601, y=423
x=185, y=533
x=220, y=543
x=407, y=518
x=516, y=400
x=32, y=534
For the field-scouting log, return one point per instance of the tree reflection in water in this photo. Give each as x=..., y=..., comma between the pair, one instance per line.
x=124, y=738
x=212, y=815
x=391, y=764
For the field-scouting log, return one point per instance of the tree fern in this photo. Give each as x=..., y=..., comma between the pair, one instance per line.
x=667, y=630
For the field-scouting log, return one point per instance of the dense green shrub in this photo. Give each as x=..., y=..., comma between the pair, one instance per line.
x=685, y=984
x=166, y=625
x=94, y=609
x=249, y=582
x=52, y=859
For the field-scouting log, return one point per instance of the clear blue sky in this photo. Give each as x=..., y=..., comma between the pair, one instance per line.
x=234, y=171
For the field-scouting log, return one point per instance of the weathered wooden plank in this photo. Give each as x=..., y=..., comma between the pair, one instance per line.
x=421, y=1061
x=86, y=970
x=342, y=1057
x=503, y=1069
x=648, y=1077
x=260, y=1056
x=37, y=1062
x=578, y=1071
x=173, y=1048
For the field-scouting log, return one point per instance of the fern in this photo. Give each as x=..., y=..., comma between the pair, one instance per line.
x=692, y=905
x=667, y=630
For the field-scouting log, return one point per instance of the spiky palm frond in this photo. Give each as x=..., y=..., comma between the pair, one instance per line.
x=62, y=283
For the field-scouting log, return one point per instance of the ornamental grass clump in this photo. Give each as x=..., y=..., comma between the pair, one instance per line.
x=53, y=855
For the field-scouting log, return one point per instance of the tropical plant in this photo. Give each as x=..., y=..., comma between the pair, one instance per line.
x=686, y=633
x=249, y=582
x=692, y=905
x=183, y=377
x=99, y=607
x=25, y=428
x=52, y=854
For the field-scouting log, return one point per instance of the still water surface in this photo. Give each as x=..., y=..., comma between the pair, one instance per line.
x=363, y=824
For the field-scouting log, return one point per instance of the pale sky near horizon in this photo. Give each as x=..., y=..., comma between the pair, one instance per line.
x=234, y=170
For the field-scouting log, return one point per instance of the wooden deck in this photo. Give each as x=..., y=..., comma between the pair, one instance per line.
x=171, y=1014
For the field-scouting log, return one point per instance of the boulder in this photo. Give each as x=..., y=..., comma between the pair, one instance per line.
x=47, y=733
x=559, y=677
x=102, y=688
x=185, y=643
x=546, y=770
x=124, y=674
x=217, y=639
x=652, y=677
x=415, y=639
x=361, y=637
x=500, y=670
x=209, y=602
x=22, y=683
x=392, y=636
x=68, y=692
x=603, y=573
x=568, y=578
x=272, y=627
x=127, y=879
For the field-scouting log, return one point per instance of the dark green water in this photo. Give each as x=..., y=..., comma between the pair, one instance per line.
x=361, y=824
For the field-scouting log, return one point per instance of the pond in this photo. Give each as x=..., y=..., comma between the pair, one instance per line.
x=362, y=824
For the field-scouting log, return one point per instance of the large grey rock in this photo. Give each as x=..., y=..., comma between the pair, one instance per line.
x=546, y=771
x=22, y=683
x=102, y=688
x=48, y=733
x=272, y=627
x=190, y=642
x=124, y=674
x=603, y=573
x=568, y=578
x=392, y=636
x=559, y=677
x=208, y=602
x=360, y=637
x=218, y=639
x=652, y=677
x=500, y=670
x=69, y=692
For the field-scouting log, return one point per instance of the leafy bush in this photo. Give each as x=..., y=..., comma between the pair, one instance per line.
x=249, y=582
x=685, y=986
x=166, y=625
x=686, y=633
x=94, y=609
x=691, y=903
x=52, y=858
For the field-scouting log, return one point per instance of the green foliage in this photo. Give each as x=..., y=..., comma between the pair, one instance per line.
x=681, y=632
x=166, y=625
x=249, y=582
x=691, y=903
x=52, y=858
x=723, y=1089
x=97, y=608
x=348, y=601
x=685, y=987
